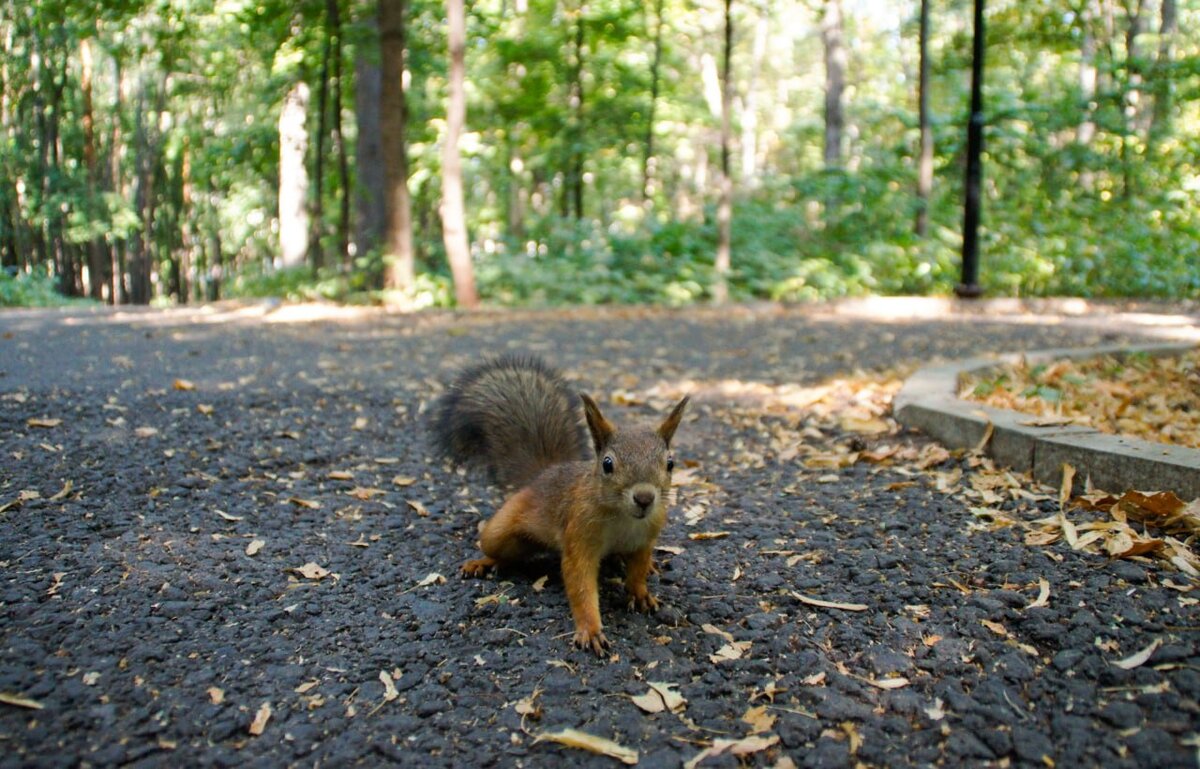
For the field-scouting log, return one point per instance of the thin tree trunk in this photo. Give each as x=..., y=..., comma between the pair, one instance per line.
x=835, y=81
x=370, y=191
x=925, y=155
x=572, y=192
x=317, y=220
x=339, y=141
x=97, y=256
x=454, y=225
x=393, y=123
x=293, y=178
x=1087, y=86
x=725, y=203
x=1133, y=94
x=1160, y=119
x=648, y=160
x=750, y=104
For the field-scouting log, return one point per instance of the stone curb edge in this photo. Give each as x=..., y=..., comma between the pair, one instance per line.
x=929, y=402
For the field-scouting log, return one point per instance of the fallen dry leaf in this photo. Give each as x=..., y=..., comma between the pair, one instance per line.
x=759, y=719
x=573, y=738
x=660, y=697
x=540, y=583
x=312, y=570
x=852, y=736
x=340, y=475
x=731, y=651
x=433, y=578
x=18, y=701
x=255, y=546
x=743, y=747
x=700, y=535
x=365, y=493
x=310, y=504
x=403, y=481
x=529, y=707
x=1140, y=658
x=260, y=719
x=417, y=507
x=829, y=604
x=42, y=422
x=389, y=686
x=1043, y=595
x=183, y=384
x=216, y=695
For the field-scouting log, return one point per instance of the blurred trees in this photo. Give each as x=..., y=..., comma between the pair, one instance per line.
x=142, y=154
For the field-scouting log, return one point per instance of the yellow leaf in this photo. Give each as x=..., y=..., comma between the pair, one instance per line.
x=310, y=504
x=43, y=423
x=260, y=719
x=216, y=695
x=18, y=701
x=340, y=475
x=700, y=535
x=1064, y=493
x=364, y=493
x=255, y=546
x=573, y=738
x=183, y=384
x=311, y=570
x=417, y=507
x=759, y=719
x=205, y=409
x=743, y=747
x=403, y=480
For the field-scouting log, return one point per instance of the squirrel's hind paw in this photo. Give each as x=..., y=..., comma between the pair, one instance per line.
x=478, y=567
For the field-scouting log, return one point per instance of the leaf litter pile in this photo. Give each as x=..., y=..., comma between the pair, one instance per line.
x=1156, y=398
x=824, y=598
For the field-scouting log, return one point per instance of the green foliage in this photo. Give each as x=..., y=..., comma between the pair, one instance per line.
x=186, y=95
x=25, y=290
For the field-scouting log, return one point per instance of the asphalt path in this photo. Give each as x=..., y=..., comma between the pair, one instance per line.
x=225, y=542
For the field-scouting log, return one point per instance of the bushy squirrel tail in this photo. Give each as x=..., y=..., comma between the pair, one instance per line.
x=513, y=415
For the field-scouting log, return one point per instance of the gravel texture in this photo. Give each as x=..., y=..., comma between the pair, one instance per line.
x=133, y=612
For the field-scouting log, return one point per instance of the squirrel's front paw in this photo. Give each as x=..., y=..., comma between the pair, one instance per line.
x=643, y=602
x=478, y=567
x=592, y=639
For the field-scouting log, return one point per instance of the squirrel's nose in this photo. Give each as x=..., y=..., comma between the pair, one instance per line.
x=644, y=498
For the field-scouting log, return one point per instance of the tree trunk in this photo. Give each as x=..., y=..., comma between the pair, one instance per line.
x=339, y=141
x=648, y=161
x=750, y=104
x=835, y=81
x=393, y=124
x=969, y=287
x=370, y=191
x=925, y=155
x=454, y=225
x=97, y=256
x=725, y=202
x=293, y=178
x=1163, y=86
x=572, y=193
x=316, y=255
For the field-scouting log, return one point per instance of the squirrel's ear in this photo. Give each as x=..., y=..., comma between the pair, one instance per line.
x=667, y=429
x=600, y=428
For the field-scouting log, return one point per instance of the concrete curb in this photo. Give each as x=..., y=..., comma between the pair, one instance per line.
x=929, y=402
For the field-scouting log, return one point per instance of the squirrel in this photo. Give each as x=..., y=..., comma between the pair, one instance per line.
x=517, y=418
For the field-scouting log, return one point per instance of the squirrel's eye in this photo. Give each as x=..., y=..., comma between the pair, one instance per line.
x=607, y=464
x=670, y=465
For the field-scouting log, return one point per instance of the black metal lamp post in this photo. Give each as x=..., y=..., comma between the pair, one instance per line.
x=969, y=288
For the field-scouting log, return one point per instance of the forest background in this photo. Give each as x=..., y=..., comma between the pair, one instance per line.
x=566, y=151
